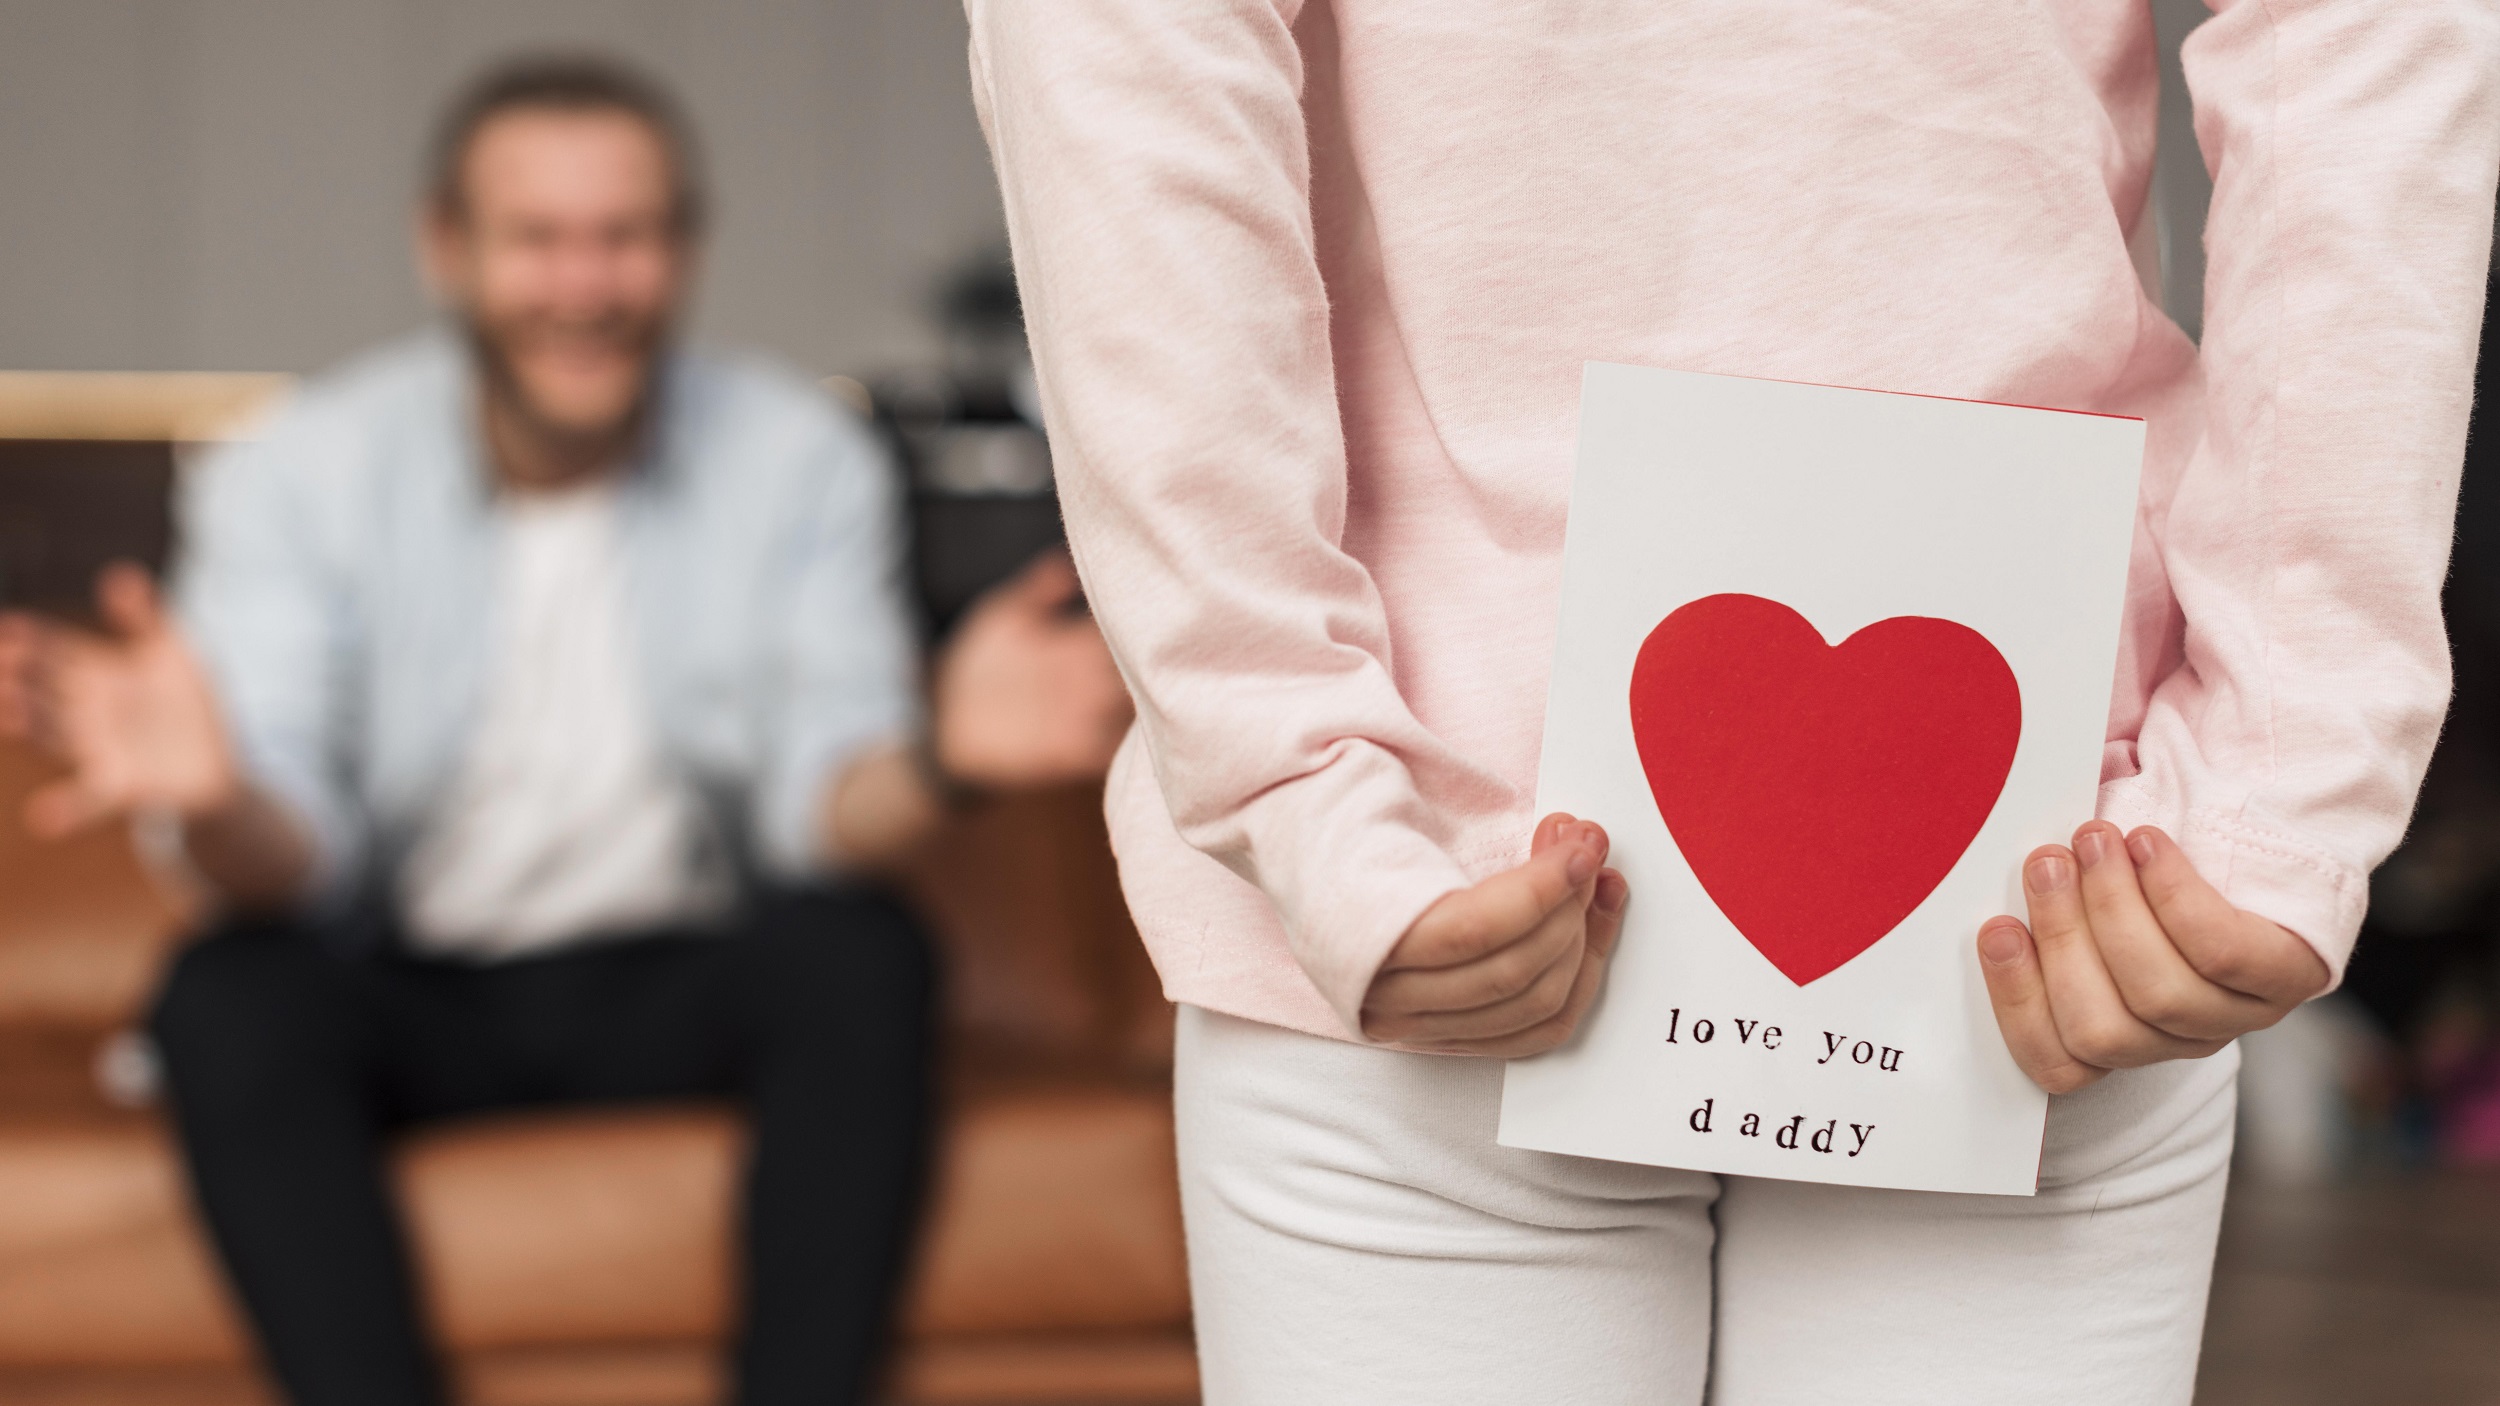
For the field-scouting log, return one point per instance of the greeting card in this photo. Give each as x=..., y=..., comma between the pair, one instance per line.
x=1830, y=663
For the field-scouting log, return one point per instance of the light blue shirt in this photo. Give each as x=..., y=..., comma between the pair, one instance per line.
x=335, y=575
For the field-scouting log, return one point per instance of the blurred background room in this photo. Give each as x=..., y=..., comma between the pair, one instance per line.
x=201, y=205
x=207, y=203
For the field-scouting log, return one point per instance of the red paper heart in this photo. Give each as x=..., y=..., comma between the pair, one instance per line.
x=1820, y=793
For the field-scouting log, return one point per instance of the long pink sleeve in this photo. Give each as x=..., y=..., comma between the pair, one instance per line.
x=2289, y=722
x=1310, y=287
x=1165, y=247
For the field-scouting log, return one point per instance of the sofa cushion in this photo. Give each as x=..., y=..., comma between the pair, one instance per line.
x=573, y=1226
x=98, y=1261
x=84, y=928
x=1078, y=1369
x=1054, y=1210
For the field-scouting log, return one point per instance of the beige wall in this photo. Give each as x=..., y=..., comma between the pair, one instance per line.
x=226, y=186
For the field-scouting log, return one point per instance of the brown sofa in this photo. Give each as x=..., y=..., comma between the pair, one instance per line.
x=582, y=1259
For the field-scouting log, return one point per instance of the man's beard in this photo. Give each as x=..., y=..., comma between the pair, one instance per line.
x=503, y=382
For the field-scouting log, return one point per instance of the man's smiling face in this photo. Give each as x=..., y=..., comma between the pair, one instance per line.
x=567, y=257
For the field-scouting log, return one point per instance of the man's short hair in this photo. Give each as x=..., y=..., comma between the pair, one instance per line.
x=577, y=83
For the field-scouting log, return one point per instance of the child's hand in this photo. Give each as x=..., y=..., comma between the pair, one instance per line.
x=1508, y=966
x=2140, y=962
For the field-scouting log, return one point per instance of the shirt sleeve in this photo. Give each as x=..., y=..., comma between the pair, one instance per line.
x=269, y=621
x=1156, y=171
x=845, y=672
x=2297, y=686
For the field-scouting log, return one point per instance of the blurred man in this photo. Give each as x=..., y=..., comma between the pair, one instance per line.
x=535, y=685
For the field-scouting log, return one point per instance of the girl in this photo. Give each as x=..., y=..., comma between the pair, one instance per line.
x=1310, y=287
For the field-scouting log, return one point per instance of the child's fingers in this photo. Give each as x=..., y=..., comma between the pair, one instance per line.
x=1470, y=986
x=2093, y=1021
x=2158, y=985
x=1548, y=831
x=2233, y=949
x=1523, y=1008
x=1605, y=926
x=1498, y=910
x=2019, y=991
x=1606, y=904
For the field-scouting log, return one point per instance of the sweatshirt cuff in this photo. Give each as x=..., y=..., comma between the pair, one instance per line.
x=2259, y=868
x=1345, y=856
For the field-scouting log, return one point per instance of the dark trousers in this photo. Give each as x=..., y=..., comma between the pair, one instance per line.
x=290, y=1067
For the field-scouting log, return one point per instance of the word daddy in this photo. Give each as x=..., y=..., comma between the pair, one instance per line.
x=1822, y=1139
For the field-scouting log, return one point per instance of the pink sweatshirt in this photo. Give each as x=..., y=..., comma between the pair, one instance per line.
x=1310, y=287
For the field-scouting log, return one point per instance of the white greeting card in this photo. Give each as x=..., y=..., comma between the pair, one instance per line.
x=1831, y=662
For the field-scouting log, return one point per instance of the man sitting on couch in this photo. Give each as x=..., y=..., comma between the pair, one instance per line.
x=535, y=687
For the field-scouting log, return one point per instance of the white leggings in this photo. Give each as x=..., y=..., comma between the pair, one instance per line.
x=1356, y=1236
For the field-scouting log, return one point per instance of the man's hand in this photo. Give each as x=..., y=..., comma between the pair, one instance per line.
x=130, y=711
x=1026, y=695
x=2132, y=958
x=1508, y=966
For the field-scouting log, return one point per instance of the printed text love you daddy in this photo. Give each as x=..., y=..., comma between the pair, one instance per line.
x=1793, y=1135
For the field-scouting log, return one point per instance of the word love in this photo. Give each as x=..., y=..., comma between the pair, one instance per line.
x=1825, y=1139
x=1749, y=1032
